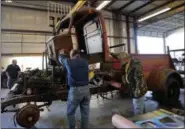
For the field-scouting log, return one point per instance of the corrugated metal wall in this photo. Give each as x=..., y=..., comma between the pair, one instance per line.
x=23, y=19
x=116, y=31
x=20, y=41
x=26, y=19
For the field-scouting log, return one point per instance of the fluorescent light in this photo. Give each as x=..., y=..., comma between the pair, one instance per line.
x=154, y=14
x=103, y=4
x=8, y=1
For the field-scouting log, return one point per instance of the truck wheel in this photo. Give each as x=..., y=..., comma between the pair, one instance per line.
x=171, y=97
x=158, y=96
x=173, y=91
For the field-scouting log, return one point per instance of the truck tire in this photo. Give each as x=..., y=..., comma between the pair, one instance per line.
x=171, y=96
x=173, y=91
x=157, y=96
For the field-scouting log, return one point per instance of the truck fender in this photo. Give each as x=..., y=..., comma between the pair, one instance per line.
x=165, y=84
x=157, y=79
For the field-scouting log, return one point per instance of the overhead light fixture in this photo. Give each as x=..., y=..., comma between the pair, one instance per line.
x=154, y=14
x=103, y=4
x=8, y=1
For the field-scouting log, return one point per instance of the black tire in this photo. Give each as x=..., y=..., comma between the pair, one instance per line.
x=171, y=97
x=173, y=91
x=158, y=96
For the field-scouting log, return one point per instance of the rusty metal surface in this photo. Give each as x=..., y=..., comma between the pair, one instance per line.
x=28, y=116
x=157, y=69
x=62, y=41
x=149, y=62
x=156, y=81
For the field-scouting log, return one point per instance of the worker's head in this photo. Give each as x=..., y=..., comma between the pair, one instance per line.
x=74, y=53
x=124, y=56
x=14, y=61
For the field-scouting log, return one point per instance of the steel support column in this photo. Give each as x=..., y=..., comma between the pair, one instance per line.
x=128, y=33
x=135, y=35
x=164, y=42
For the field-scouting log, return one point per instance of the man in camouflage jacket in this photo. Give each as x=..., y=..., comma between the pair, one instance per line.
x=133, y=78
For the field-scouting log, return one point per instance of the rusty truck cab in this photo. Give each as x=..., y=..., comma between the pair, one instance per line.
x=88, y=28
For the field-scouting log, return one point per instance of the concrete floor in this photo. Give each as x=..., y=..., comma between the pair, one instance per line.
x=100, y=112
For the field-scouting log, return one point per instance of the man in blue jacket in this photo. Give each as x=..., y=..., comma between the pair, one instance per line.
x=79, y=95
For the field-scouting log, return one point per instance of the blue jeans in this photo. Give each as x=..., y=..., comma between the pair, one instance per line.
x=139, y=105
x=10, y=82
x=78, y=96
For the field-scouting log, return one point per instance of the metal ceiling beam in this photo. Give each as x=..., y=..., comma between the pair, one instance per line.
x=112, y=2
x=172, y=22
x=150, y=33
x=156, y=27
x=171, y=30
x=177, y=9
x=126, y=5
x=151, y=10
x=142, y=6
x=179, y=17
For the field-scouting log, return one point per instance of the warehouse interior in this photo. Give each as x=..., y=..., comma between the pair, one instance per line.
x=149, y=30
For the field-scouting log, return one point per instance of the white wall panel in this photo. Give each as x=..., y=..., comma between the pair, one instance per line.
x=11, y=47
x=22, y=19
x=6, y=18
x=15, y=38
x=33, y=48
x=26, y=19
x=40, y=38
x=124, y=32
x=131, y=30
x=42, y=22
x=132, y=46
x=29, y=38
x=6, y=37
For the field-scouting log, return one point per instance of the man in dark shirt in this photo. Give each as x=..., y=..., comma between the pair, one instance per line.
x=79, y=95
x=12, y=72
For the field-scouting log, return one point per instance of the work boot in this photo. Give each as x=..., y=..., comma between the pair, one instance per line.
x=77, y=124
